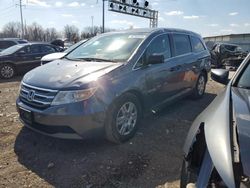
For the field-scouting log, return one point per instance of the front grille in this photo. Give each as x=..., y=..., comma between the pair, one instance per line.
x=41, y=98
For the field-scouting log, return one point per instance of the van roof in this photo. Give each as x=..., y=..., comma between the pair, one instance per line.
x=153, y=30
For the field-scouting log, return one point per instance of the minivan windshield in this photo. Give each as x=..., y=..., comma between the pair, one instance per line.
x=117, y=47
x=244, y=81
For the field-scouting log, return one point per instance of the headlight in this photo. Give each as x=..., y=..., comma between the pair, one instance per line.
x=65, y=97
x=19, y=88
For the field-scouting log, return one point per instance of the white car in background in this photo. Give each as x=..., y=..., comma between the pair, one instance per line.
x=51, y=57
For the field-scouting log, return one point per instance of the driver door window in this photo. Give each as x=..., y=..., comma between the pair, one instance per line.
x=159, y=46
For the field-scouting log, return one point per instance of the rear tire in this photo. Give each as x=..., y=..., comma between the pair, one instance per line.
x=123, y=118
x=7, y=71
x=200, y=87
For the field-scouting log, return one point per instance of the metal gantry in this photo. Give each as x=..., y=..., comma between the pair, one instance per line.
x=132, y=7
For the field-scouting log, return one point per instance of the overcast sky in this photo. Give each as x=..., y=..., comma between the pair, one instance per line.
x=207, y=17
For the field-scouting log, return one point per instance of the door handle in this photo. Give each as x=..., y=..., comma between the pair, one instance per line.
x=38, y=57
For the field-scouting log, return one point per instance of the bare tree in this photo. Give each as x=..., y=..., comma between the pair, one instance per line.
x=35, y=32
x=50, y=34
x=11, y=29
x=71, y=32
x=89, y=32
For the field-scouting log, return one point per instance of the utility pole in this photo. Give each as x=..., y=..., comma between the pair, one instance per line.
x=92, y=21
x=21, y=13
x=103, y=16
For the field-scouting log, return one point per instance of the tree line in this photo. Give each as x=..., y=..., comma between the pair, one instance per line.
x=35, y=32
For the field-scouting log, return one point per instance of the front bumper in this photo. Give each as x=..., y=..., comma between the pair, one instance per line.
x=70, y=121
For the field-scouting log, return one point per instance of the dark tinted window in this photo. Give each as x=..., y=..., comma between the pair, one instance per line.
x=34, y=49
x=6, y=44
x=47, y=49
x=244, y=81
x=181, y=44
x=160, y=46
x=22, y=42
x=229, y=47
x=25, y=49
x=197, y=44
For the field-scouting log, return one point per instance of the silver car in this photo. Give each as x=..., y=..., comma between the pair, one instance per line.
x=217, y=149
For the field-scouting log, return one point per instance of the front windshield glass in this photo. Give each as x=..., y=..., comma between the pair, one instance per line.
x=244, y=80
x=113, y=47
x=74, y=46
x=11, y=49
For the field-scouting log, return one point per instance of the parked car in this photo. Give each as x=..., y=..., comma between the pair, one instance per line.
x=8, y=42
x=227, y=54
x=51, y=57
x=23, y=57
x=217, y=147
x=106, y=85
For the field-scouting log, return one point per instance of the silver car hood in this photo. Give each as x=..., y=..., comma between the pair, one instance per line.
x=217, y=133
x=241, y=104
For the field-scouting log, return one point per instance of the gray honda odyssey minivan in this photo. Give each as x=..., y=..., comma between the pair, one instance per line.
x=104, y=86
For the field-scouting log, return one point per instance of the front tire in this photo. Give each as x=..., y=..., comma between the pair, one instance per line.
x=7, y=71
x=123, y=118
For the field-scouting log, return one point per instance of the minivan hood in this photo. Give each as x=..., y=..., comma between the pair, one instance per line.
x=241, y=105
x=63, y=74
x=53, y=56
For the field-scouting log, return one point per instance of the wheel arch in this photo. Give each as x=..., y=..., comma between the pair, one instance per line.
x=204, y=71
x=139, y=96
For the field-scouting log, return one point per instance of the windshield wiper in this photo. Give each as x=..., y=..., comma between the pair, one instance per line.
x=94, y=59
x=65, y=57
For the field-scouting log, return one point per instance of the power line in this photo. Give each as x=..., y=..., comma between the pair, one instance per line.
x=7, y=8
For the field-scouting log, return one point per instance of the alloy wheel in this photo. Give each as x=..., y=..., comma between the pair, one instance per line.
x=201, y=85
x=126, y=118
x=7, y=71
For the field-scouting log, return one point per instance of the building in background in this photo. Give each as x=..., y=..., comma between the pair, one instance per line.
x=242, y=40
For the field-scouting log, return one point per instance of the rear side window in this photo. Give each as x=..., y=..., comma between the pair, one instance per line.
x=34, y=49
x=181, y=44
x=6, y=44
x=197, y=44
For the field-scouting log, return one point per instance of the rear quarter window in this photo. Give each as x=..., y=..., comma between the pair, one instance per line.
x=182, y=44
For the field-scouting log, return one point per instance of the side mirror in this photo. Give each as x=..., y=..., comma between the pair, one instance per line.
x=220, y=75
x=155, y=59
